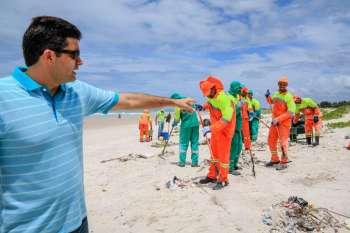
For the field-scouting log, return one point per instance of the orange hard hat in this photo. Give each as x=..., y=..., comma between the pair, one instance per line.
x=283, y=79
x=245, y=90
x=206, y=86
x=217, y=83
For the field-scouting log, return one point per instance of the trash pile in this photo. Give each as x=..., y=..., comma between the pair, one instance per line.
x=297, y=215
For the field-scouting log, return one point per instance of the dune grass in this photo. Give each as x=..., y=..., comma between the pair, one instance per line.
x=336, y=113
x=342, y=124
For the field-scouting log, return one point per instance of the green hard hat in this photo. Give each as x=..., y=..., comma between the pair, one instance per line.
x=235, y=88
x=177, y=96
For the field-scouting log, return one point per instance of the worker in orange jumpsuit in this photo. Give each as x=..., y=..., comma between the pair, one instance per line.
x=283, y=110
x=312, y=116
x=145, y=123
x=246, y=110
x=223, y=120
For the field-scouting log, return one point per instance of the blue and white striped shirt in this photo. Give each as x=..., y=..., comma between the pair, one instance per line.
x=41, y=156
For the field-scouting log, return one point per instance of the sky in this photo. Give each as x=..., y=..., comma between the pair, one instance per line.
x=164, y=46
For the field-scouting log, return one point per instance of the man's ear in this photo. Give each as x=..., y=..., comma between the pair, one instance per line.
x=49, y=56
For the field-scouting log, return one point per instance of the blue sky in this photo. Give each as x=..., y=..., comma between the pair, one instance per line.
x=166, y=46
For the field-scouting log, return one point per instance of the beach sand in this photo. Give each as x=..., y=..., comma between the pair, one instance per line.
x=129, y=195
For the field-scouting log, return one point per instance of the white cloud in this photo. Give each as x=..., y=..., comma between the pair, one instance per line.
x=252, y=41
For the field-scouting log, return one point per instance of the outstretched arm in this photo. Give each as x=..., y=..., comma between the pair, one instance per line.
x=139, y=100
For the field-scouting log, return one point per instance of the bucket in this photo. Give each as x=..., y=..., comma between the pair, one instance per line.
x=165, y=135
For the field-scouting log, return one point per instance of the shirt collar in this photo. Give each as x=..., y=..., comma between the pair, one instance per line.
x=26, y=81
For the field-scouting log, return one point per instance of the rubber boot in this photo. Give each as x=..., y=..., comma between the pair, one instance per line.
x=308, y=140
x=207, y=180
x=271, y=163
x=220, y=185
x=317, y=141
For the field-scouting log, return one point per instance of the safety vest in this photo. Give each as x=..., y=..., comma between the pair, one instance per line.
x=222, y=110
x=144, y=119
x=161, y=116
x=283, y=107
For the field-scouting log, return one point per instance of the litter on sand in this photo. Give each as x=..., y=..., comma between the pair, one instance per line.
x=126, y=158
x=176, y=182
x=297, y=215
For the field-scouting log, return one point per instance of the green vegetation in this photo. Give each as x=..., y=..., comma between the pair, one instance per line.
x=336, y=113
x=326, y=104
x=339, y=125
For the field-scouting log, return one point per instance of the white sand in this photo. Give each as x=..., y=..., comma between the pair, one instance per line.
x=131, y=196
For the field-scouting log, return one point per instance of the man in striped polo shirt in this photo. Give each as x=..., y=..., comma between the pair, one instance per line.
x=41, y=120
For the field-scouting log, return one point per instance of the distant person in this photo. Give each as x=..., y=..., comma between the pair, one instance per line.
x=159, y=121
x=189, y=133
x=41, y=129
x=254, y=116
x=312, y=118
x=168, y=119
x=283, y=109
x=246, y=111
x=145, y=124
x=223, y=120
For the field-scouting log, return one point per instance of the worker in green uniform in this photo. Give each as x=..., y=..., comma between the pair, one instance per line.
x=160, y=120
x=189, y=132
x=237, y=141
x=254, y=116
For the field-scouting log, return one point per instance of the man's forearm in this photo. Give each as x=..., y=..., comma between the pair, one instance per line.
x=139, y=100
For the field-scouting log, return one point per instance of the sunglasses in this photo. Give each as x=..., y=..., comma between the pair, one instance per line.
x=74, y=54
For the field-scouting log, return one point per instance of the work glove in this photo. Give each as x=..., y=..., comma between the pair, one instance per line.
x=205, y=131
x=175, y=123
x=274, y=122
x=206, y=122
x=252, y=115
x=267, y=93
x=316, y=119
x=198, y=107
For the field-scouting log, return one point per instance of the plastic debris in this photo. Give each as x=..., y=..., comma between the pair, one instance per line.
x=171, y=184
x=297, y=215
x=126, y=158
x=176, y=182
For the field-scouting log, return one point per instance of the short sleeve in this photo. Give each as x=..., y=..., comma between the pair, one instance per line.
x=96, y=100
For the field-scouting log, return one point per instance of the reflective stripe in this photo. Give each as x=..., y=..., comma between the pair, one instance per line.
x=224, y=165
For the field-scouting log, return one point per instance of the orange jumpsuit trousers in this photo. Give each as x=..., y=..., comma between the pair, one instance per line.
x=220, y=143
x=245, y=127
x=144, y=132
x=279, y=132
x=309, y=123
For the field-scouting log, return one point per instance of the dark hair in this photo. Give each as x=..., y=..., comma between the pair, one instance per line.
x=46, y=32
